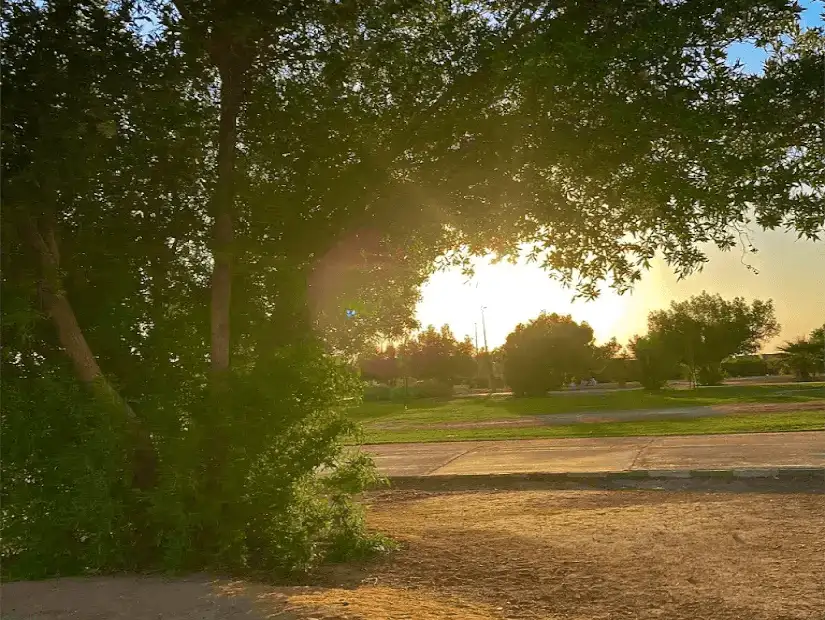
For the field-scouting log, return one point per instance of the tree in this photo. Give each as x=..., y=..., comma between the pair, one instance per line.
x=546, y=353
x=806, y=356
x=705, y=329
x=198, y=195
x=380, y=365
x=612, y=363
x=745, y=366
x=106, y=168
x=438, y=355
x=655, y=360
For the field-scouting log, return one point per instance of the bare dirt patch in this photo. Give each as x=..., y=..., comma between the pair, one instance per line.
x=570, y=555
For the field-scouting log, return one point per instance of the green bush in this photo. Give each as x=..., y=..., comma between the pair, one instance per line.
x=654, y=362
x=745, y=366
x=378, y=392
x=429, y=388
x=433, y=388
x=709, y=374
x=252, y=476
x=248, y=459
x=618, y=370
x=478, y=383
x=546, y=353
x=66, y=494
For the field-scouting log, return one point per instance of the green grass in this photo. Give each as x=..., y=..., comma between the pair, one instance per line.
x=753, y=423
x=422, y=412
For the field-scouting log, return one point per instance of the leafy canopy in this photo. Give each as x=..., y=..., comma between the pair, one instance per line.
x=546, y=353
x=370, y=139
x=705, y=329
x=806, y=356
x=436, y=354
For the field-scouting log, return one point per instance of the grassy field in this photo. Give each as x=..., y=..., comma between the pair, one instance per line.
x=756, y=423
x=390, y=422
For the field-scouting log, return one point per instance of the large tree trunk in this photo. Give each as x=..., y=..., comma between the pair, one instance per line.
x=223, y=209
x=77, y=349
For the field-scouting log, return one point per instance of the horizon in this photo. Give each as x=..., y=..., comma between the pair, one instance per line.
x=515, y=294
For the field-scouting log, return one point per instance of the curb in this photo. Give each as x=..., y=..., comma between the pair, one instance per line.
x=777, y=479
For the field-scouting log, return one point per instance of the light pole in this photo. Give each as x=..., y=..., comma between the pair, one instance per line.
x=484, y=327
x=488, y=367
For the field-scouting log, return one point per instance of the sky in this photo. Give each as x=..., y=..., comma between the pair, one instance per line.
x=785, y=269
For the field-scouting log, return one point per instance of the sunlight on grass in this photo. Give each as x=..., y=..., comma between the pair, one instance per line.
x=756, y=423
x=473, y=409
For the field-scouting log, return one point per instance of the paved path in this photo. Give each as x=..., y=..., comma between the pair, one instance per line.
x=689, y=452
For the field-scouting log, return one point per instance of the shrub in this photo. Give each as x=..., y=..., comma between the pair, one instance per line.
x=745, y=366
x=239, y=485
x=433, y=388
x=545, y=353
x=803, y=357
x=654, y=362
x=709, y=374
x=478, y=383
x=66, y=493
x=377, y=392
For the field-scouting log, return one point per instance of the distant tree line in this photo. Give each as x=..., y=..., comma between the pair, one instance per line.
x=703, y=340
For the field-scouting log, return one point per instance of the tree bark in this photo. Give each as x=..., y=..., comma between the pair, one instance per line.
x=77, y=349
x=223, y=209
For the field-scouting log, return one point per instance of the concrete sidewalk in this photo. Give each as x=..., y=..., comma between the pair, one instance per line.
x=619, y=454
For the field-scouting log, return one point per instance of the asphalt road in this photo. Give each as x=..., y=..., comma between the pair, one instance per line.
x=689, y=452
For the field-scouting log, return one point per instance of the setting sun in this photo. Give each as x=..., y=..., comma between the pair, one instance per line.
x=516, y=293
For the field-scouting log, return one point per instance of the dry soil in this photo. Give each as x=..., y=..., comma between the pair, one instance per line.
x=579, y=555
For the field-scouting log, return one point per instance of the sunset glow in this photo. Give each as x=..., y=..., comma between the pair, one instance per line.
x=789, y=271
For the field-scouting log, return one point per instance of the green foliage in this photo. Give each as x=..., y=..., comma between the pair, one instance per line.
x=438, y=356
x=429, y=388
x=621, y=370
x=546, y=353
x=239, y=487
x=377, y=392
x=805, y=357
x=380, y=365
x=432, y=388
x=746, y=366
x=710, y=374
x=705, y=329
x=66, y=497
x=587, y=133
x=655, y=361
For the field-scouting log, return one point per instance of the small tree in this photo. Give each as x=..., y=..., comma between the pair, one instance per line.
x=745, y=366
x=806, y=356
x=606, y=361
x=465, y=366
x=656, y=362
x=546, y=352
x=705, y=329
x=380, y=365
x=437, y=355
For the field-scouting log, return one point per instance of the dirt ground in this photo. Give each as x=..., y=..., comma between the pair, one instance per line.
x=571, y=555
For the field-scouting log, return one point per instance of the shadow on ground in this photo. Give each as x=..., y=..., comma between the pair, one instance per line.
x=530, y=555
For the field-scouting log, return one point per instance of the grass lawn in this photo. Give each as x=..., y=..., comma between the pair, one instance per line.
x=473, y=409
x=386, y=422
x=754, y=423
